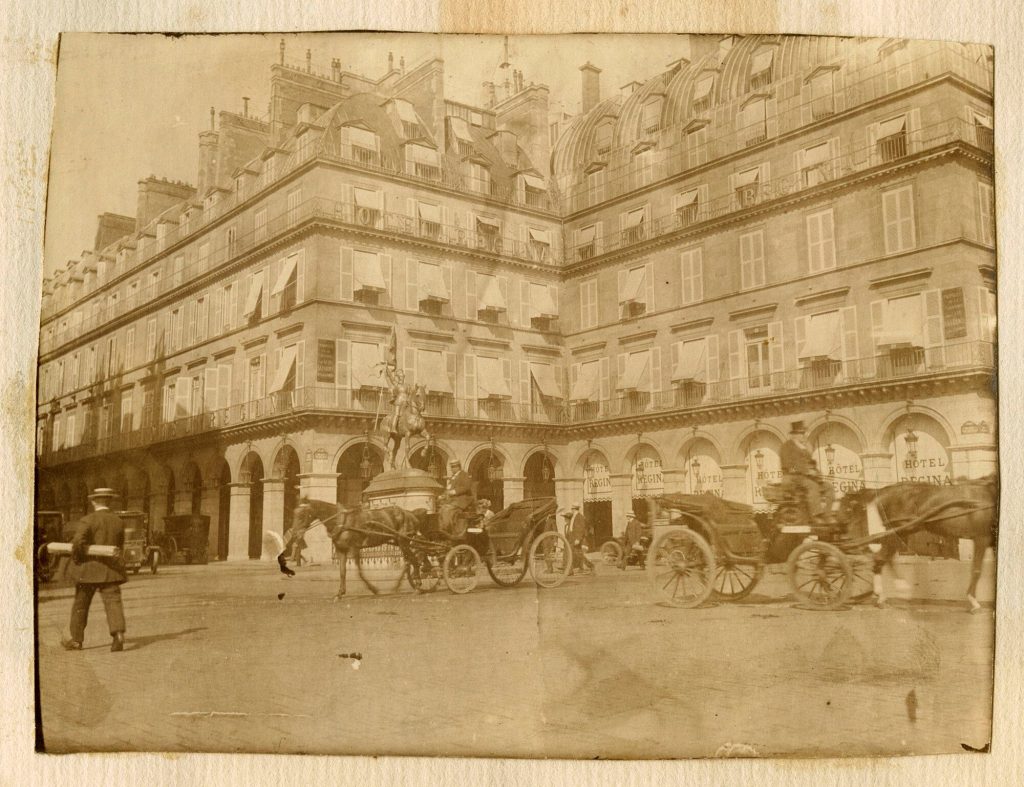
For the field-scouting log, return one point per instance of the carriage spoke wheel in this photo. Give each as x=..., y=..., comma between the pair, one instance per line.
x=506, y=572
x=681, y=566
x=611, y=553
x=820, y=575
x=461, y=568
x=734, y=580
x=425, y=574
x=550, y=559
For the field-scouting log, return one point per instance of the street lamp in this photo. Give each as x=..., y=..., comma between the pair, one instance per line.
x=759, y=459
x=911, y=441
x=830, y=454
x=545, y=468
x=434, y=466
x=494, y=472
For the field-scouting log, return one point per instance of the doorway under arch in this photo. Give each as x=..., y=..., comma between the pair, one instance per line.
x=539, y=476
x=252, y=472
x=351, y=480
x=488, y=473
x=430, y=458
x=223, y=510
x=287, y=468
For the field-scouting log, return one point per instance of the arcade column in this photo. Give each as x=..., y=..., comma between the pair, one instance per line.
x=973, y=461
x=735, y=484
x=675, y=480
x=273, y=505
x=513, y=489
x=238, y=527
x=568, y=491
x=622, y=501
x=878, y=470
x=209, y=505
x=319, y=486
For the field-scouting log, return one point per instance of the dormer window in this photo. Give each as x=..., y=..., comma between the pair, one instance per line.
x=210, y=201
x=409, y=119
x=891, y=139
x=534, y=191
x=476, y=118
x=603, y=138
x=822, y=95
x=459, y=137
x=753, y=121
x=364, y=146
x=761, y=69
x=697, y=152
x=540, y=245
x=702, y=93
x=423, y=162
x=650, y=120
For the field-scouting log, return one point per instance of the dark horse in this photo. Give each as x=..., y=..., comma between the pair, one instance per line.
x=351, y=529
x=965, y=509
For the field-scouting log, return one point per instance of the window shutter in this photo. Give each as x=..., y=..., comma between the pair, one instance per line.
x=210, y=394
x=620, y=368
x=503, y=289
x=190, y=336
x=224, y=386
x=606, y=383
x=776, y=353
x=877, y=326
x=410, y=365
x=848, y=315
x=524, y=304
x=524, y=385
x=300, y=365
x=450, y=369
x=712, y=357
x=385, y=267
x=986, y=314
x=300, y=277
x=906, y=218
x=599, y=234
x=872, y=132
x=800, y=331
x=346, y=275
x=934, y=350
x=656, y=381
x=341, y=379
x=233, y=317
x=506, y=372
x=469, y=383
x=553, y=294
x=471, y=300
x=410, y=210
x=738, y=379
x=828, y=240
x=622, y=282
x=446, y=277
x=649, y=286
x=514, y=303
x=913, y=130
x=182, y=393
x=412, y=275
x=574, y=376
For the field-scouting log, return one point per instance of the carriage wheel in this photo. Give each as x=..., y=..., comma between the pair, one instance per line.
x=550, y=559
x=503, y=572
x=154, y=559
x=611, y=553
x=734, y=580
x=820, y=575
x=461, y=568
x=681, y=566
x=426, y=575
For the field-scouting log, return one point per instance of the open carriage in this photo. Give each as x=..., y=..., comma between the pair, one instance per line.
x=521, y=537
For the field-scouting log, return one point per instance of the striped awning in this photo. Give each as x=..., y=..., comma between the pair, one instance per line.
x=544, y=375
x=490, y=379
x=586, y=387
x=692, y=364
x=635, y=376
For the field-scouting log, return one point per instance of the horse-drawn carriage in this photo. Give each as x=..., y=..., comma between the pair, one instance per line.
x=716, y=546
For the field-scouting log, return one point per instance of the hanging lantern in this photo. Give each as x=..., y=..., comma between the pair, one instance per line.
x=695, y=464
x=434, y=465
x=494, y=472
x=759, y=459
x=911, y=441
x=830, y=454
x=364, y=466
x=545, y=466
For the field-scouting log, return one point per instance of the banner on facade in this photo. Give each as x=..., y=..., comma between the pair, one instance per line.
x=325, y=361
x=597, y=484
x=648, y=479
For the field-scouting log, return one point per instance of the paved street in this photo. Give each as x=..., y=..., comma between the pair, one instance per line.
x=216, y=661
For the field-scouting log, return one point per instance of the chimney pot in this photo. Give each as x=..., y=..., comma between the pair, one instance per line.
x=245, y=106
x=282, y=51
x=590, y=86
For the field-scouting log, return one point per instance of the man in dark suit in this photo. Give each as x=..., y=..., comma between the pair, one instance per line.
x=578, y=533
x=460, y=498
x=801, y=471
x=106, y=574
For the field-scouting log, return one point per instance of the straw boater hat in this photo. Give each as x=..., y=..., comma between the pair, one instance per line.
x=103, y=492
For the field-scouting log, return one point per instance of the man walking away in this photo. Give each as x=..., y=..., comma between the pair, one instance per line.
x=106, y=574
x=577, y=533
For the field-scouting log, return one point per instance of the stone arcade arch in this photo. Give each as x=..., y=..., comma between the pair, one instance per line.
x=647, y=480
x=701, y=463
x=287, y=469
x=539, y=475
x=431, y=458
x=223, y=509
x=350, y=476
x=480, y=471
x=597, y=494
x=252, y=473
x=760, y=450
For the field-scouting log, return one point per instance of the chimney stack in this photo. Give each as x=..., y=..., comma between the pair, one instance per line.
x=282, y=51
x=309, y=61
x=489, y=95
x=213, y=116
x=590, y=83
x=245, y=106
x=336, y=69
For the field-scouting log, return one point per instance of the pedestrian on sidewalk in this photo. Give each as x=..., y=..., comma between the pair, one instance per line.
x=104, y=574
x=578, y=533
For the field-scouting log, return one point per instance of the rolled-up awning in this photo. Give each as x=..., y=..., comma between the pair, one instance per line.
x=488, y=222
x=890, y=127
x=460, y=128
x=423, y=155
x=406, y=112
x=365, y=365
x=367, y=271
x=431, y=372
x=747, y=178
x=287, y=271
x=692, y=364
x=365, y=198
x=285, y=366
x=540, y=236
x=904, y=323
x=635, y=376
x=634, y=218
x=634, y=286
x=541, y=302
x=490, y=295
x=824, y=337
x=535, y=182
x=431, y=213
x=253, y=298
x=686, y=199
x=586, y=387
x=544, y=375
x=430, y=283
x=703, y=87
x=490, y=380
x=362, y=138
x=586, y=235
x=816, y=155
x=982, y=120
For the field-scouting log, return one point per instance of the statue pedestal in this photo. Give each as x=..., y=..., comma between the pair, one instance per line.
x=409, y=488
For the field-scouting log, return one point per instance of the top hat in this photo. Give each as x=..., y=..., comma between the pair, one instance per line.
x=102, y=492
x=797, y=427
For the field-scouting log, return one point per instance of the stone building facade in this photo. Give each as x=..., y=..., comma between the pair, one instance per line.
x=636, y=299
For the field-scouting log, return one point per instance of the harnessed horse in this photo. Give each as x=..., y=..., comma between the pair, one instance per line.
x=351, y=529
x=965, y=509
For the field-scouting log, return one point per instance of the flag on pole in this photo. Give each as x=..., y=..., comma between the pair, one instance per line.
x=392, y=359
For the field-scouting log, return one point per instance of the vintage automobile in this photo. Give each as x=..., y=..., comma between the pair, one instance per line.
x=186, y=537
x=139, y=549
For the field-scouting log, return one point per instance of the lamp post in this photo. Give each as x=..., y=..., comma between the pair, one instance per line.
x=830, y=454
x=695, y=478
x=759, y=459
x=545, y=468
x=494, y=472
x=364, y=465
x=911, y=437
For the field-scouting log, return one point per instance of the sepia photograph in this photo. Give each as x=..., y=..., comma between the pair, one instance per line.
x=580, y=397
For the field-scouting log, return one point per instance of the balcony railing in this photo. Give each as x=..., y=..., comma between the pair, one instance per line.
x=678, y=153
x=893, y=365
x=785, y=183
